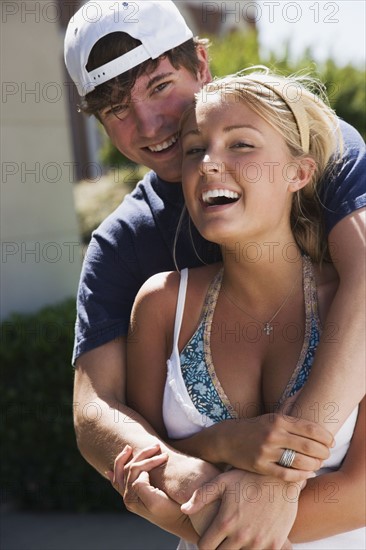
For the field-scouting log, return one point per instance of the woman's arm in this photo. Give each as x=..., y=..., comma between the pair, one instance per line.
x=334, y=503
x=256, y=445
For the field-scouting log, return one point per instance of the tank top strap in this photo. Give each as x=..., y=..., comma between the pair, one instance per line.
x=208, y=306
x=211, y=298
x=311, y=292
x=180, y=305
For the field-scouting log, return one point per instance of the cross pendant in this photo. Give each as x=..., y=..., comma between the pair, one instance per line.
x=268, y=329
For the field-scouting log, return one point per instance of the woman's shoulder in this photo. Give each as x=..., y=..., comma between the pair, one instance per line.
x=158, y=295
x=158, y=288
x=167, y=282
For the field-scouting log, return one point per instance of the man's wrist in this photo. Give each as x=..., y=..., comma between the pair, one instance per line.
x=182, y=475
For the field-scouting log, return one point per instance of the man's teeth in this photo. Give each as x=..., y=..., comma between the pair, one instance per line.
x=210, y=196
x=164, y=145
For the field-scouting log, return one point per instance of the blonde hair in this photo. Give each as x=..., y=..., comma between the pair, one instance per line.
x=296, y=106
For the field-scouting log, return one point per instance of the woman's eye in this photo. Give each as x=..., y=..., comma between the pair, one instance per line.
x=242, y=145
x=194, y=150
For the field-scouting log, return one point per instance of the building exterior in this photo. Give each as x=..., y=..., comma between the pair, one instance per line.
x=47, y=146
x=40, y=250
x=218, y=18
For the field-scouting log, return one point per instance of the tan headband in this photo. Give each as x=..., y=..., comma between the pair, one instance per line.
x=295, y=105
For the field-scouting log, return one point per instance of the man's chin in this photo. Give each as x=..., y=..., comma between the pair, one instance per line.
x=170, y=176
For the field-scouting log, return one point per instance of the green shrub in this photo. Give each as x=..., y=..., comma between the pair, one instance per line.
x=347, y=93
x=41, y=467
x=233, y=52
x=345, y=85
x=94, y=201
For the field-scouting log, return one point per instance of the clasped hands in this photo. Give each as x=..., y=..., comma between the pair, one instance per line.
x=252, y=505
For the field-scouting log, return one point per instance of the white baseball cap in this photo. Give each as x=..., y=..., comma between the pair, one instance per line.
x=158, y=25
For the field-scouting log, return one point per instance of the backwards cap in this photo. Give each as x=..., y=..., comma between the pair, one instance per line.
x=158, y=25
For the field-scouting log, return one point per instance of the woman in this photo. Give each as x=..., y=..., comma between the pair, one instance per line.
x=233, y=340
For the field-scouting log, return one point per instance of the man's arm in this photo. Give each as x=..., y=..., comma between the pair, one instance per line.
x=335, y=502
x=104, y=424
x=340, y=358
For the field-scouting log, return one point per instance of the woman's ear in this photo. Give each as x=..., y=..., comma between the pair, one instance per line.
x=305, y=171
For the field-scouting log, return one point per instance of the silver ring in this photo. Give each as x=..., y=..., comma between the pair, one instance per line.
x=287, y=458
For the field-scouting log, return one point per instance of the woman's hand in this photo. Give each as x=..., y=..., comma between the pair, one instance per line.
x=131, y=479
x=256, y=445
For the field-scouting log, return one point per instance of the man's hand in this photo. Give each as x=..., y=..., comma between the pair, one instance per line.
x=256, y=512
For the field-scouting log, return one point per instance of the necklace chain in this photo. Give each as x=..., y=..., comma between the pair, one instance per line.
x=268, y=327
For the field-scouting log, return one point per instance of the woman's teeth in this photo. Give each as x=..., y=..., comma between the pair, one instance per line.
x=213, y=196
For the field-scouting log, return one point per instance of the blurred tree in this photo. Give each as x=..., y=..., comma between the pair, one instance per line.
x=345, y=86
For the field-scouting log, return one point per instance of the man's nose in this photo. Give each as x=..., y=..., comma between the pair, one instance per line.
x=148, y=120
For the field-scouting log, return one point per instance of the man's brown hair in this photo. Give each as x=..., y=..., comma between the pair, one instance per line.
x=119, y=88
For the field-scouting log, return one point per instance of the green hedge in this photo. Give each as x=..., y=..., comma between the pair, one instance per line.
x=41, y=467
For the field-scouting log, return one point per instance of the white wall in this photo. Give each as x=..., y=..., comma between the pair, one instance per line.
x=40, y=256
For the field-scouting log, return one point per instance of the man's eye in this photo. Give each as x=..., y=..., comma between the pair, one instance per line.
x=161, y=87
x=115, y=110
x=118, y=109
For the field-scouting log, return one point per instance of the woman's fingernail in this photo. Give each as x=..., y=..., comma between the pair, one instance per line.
x=154, y=447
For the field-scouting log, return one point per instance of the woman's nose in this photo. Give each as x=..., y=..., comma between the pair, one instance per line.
x=208, y=166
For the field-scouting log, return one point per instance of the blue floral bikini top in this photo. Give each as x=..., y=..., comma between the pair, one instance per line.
x=197, y=367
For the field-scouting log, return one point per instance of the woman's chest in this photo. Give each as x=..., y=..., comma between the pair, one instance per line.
x=255, y=369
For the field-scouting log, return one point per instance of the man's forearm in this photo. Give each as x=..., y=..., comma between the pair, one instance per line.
x=104, y=424
x=337, y=380
x=339, y=363
x=109, y=426
x=104, y=428
x=327, y=507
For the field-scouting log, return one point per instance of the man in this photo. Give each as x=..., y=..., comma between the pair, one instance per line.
x=138, y=84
